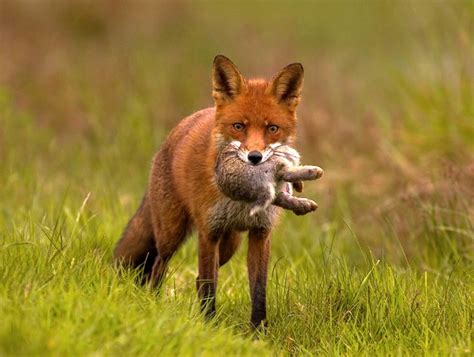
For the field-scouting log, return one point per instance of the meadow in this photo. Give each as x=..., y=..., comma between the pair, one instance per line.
x=385, y=266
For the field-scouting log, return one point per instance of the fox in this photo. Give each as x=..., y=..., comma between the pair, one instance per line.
x=183, y=196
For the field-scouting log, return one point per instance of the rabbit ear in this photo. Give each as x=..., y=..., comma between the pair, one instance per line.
x=286, y=86
x=226, y=80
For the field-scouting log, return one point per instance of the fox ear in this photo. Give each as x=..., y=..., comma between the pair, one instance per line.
x=286, y=86
x=226, y=80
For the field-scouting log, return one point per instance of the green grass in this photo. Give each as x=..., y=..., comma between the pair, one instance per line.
x=327, y=294
x=385, y=266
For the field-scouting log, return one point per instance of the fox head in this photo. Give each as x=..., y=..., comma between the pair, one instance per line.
x=258, y=114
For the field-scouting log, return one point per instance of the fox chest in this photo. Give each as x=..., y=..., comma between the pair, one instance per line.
x=228, y=215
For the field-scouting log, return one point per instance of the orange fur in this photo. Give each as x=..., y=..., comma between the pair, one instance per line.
x=182, y=191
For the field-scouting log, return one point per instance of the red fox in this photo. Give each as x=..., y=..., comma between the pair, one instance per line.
x=182, y=191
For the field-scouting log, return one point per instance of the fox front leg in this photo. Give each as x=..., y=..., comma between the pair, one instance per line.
x=206, y=282
x=257, y=263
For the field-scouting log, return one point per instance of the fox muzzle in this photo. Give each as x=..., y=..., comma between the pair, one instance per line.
x=255, y=157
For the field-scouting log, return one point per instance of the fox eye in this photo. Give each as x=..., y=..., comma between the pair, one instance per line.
x=238, y=126
x=272, y=129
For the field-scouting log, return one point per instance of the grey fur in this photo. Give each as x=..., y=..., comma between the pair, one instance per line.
x=229, y=215
x=257, y=187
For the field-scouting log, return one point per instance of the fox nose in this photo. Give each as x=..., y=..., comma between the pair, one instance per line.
x=255, y=157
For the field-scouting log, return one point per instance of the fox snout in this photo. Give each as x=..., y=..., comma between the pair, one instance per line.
x=255, y=157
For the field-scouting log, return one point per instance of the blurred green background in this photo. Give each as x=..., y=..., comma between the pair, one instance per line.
x=89, y=89
x=387, y=108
